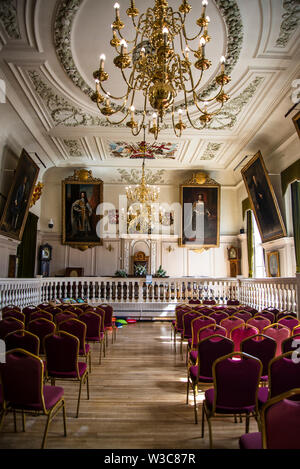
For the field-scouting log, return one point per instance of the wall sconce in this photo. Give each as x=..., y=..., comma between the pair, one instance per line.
x=170, y=249
x=109, y=248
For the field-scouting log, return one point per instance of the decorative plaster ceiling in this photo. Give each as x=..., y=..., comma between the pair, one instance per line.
x=49, y=51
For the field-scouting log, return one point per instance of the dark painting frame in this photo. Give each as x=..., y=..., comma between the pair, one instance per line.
x=17, y=205
x=189, y=194
x=296, y=120
x=263, y=200
x=77, y=230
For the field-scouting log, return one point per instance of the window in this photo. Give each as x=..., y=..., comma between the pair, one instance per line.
x=259, y=261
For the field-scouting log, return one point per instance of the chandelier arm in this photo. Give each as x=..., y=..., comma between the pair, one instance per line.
x=174, y=125
x=188, y=39
x=107, y=93
x=191, y=122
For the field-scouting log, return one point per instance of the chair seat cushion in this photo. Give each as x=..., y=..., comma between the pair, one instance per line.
x=262, y=395
x=68, y=374
x=95, y=338
x=202, y=379
x=251, y=441
x=52, y=394
x=209, y=400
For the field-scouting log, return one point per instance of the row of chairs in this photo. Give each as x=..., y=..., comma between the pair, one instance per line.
x=48, y=351
x=243, y=382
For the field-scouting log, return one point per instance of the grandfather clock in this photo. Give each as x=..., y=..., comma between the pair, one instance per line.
x=45, y=256
x=234, y=261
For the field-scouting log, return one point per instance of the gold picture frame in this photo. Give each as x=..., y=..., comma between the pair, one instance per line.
x=296, y=120
x=81, y=196
x=273, y=264
x=200, y=200
x=263, y=200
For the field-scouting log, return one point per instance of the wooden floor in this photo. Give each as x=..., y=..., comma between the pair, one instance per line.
x=137, y=401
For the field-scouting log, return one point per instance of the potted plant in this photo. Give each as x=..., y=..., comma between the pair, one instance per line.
x=140, y=270
x=121, y=273
x=161, y=272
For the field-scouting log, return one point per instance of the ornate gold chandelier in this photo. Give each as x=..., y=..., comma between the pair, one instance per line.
x=156, y=70
x=142, y=193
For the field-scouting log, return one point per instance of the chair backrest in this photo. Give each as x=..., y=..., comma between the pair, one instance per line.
x=23, y=339
x=272, y=310
x=283, y=314
x=101, y=313
x=40, y=314
x=8, y=325
x=43, y=305
x=280, y=417
x=179, y=312
x=296, y=330
x=236, y=381
x=22, y=379
x=233, y=302
x=230, y=323
x=291, y=343
x=244, y=315
x=209, y=302
x=261, y=347
x=62, y=350
x=240, y=333
x=10, y=308
x=187, y=323
x=77, y=328
x=259, y=322
x=54, y=310
x=284, y=374
x=218, y=316
x=28, y=310
x=267, y=314
x=251, y=310
x=14, y=314
x=278, y=332
x=194, y=302
x=93, y=324
x=211, y=329
x=41, y=327
x=63, y=316
x=289, y=321
x=197, y=324
x=109, y=311
x=209, y=349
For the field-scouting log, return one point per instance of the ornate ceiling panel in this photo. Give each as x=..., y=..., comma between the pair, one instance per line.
x=50, y=50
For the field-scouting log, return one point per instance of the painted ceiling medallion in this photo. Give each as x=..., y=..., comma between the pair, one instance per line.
x=143, y=149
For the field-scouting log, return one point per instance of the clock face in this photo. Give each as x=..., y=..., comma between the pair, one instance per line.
x=46, y=253
x=232, y=253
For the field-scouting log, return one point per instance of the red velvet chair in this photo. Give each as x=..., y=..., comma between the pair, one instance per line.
x=261, y=347
x=289, y=321
x=8, y=325
x=78, y=329
x=267, y=314
x=63, y=316
x=203, y=333
x=28, y=310
x=209, y=349
x=242, y=332
x=14, y=314
x=41, y=327
x=23, y=339
x=230, y=323
x=259, y=322
x=235, y=389
x=291, y=344
x=218, y=316
x=93, y=329
x=62, y=361
x=23, y=389
x=284, y=375
x=10, y=308
x=278, y=332
x=41, y=314
x=244, y=315
x=197, y=324
x=109, y=325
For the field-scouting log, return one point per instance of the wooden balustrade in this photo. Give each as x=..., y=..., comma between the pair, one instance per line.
x=281, y=293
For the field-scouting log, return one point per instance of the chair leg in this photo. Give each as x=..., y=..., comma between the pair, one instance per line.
x=90, y=362
x=64, y=417
x=195, y=404
x=2, y=415
x=203, y=421
x=79, y=396
x=209, y=430
x=87, y=386
x=15, y=422
x=187, y=389
x=23, y=420
x=100, y=354
x=46, y=431
x=247, y=422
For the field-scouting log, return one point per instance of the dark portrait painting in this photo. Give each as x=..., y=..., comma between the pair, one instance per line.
x=80, y=219
x=200, y=216
x=17, y=205
x=263, y=200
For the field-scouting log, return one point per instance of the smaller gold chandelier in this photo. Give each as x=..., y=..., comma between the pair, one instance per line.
x=143, y=193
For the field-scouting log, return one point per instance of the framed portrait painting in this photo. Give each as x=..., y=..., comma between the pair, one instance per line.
x=263, y=200
x=273, y=264
x=200, y=213
x=81, y=196
x=18, y=202
x=296, y=120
